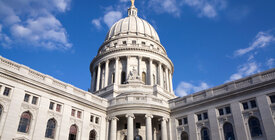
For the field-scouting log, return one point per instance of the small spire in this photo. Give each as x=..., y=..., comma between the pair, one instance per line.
x=132, y=11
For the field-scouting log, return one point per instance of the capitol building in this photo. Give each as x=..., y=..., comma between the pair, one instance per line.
x=131, y=97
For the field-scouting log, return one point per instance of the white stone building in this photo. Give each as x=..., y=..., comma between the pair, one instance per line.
x=131, y=98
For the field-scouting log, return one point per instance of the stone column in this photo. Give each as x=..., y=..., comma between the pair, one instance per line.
x=98, y=76
x=267, y=116
x=160, y=82
x=214, y=127
x=149, y=133
x=238, y=121
x=167, y=79
x=116, y=71
x=93, y=81
x=106, y=73
x=128, y=66
x=139, y=66
x=151, y=72
x=113, y=131
x=107, y=129
x=164, y=129
x=130, y=126
x=171, y=83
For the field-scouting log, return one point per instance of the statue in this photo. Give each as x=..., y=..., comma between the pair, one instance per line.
x=133, y=2
x=133, y=77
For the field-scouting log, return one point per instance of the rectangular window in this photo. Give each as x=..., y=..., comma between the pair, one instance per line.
x=221, y=111
x=58, y=107
x=92, y=118
x=272, y=98
x=205, y=115
x=199, y=117
x=245, y=106
x=227, y=110
x=180, y=121
x=125, y=126
x=134, y=42
x=26, y=98
x=124, y=42
x=96, y=120
x=34, y=100
x=253, y=104
x=51, y=105
x=185, y=121
x=137, y=125
x=143, y=43
x=78, y=114
x=73, y=112
x=7, y=91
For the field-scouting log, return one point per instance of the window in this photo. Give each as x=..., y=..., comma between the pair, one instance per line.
x=184, y=136
x=185, y=121
x=255, y=127
x=123, y=77
x=73, y=132
x=221, y=111
x=96, y=120
x=58, y=108
x=50, y=131
x=134, y=42
x=249, y=104
x=144, y=77
x=115, y=44
x=138, y=137
x=199, y=117
x=78, y=114
x=1, y=110
x=205, y=115
x=137, y=125
x=245, y=105
x=124, y=42
x=227, y=110
x=205, y=134
x=27, y=97
x=7, y=91
x=113, y=78
x=24, y=123
x=51, y=105
x=224, y=110
x=228, y=131
x=272, y=98
x=180, y=121
x=92, y=135
x=73, y=112
x=154, y=79
x=253, y=104
x=92, y=118
x=125, y=126
x=34, y=100
x=143, y=43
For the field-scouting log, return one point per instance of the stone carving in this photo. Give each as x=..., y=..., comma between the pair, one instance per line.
x=133, y=77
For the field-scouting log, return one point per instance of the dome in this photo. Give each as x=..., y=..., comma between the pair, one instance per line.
x=132, y=25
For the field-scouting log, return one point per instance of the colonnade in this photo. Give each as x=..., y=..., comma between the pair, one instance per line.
x=163, y=74
x=130, y=127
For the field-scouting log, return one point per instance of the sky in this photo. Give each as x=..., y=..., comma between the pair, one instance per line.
x=210, y=42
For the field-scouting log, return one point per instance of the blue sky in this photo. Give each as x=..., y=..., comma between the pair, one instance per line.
x=210, y=42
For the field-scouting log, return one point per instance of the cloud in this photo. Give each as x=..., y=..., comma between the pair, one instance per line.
x=262, y=39
x=185, y=88
x=33, y=23
x=165, y=6
x=97, y=23
x=111, y=17
x=244, y=70
x=270, y=62
x=5, y=41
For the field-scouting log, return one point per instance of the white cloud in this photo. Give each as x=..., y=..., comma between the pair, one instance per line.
x=263, y=39
x=33, y=22
x=246, y=69
x=185, y=88
x=111, y=17
x=165, y=6
x=97, y=23
x=270, y=62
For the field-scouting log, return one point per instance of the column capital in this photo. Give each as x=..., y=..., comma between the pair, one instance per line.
x=99, y=64
x=163, y=119
x=139, y=57
x=107, y=61
x=113, y=118
x=130, y=115
x=117, y=58
x=149, y=116
x=128, y=56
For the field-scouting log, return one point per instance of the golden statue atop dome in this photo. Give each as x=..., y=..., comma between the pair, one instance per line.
x=133, y=2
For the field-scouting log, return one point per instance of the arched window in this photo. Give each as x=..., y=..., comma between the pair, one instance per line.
x=92, y=135
x=25, y=121
x=228, y=131
x=50, y=131
x=123, y=77
x=1, y=110
x=205, y=134
x=184, y=136
x=73, y=132
x=255, y=127
x=144, y=78
x=113, y=78
x=138, y=137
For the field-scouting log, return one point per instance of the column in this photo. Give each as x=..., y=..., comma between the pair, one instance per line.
x=116, y=71
x=160, y=82
x=151, y=72
x=139, y=66
x=113, y=128
x=107, y=129
x=267, y=117
x=149, y=133
x=130, y=126
x=98, y=76
x=167, y=79
x=106, y=73
x=170, y=79
x=214, y=127
x=93, y=81
x=238, y=121
x=128, y=66
x=193, y=133
x=164, y=129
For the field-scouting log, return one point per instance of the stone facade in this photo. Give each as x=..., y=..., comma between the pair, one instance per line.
x=131, y=98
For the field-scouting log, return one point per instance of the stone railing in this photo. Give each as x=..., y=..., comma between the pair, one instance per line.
x=50, y=81
x=224, y=89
